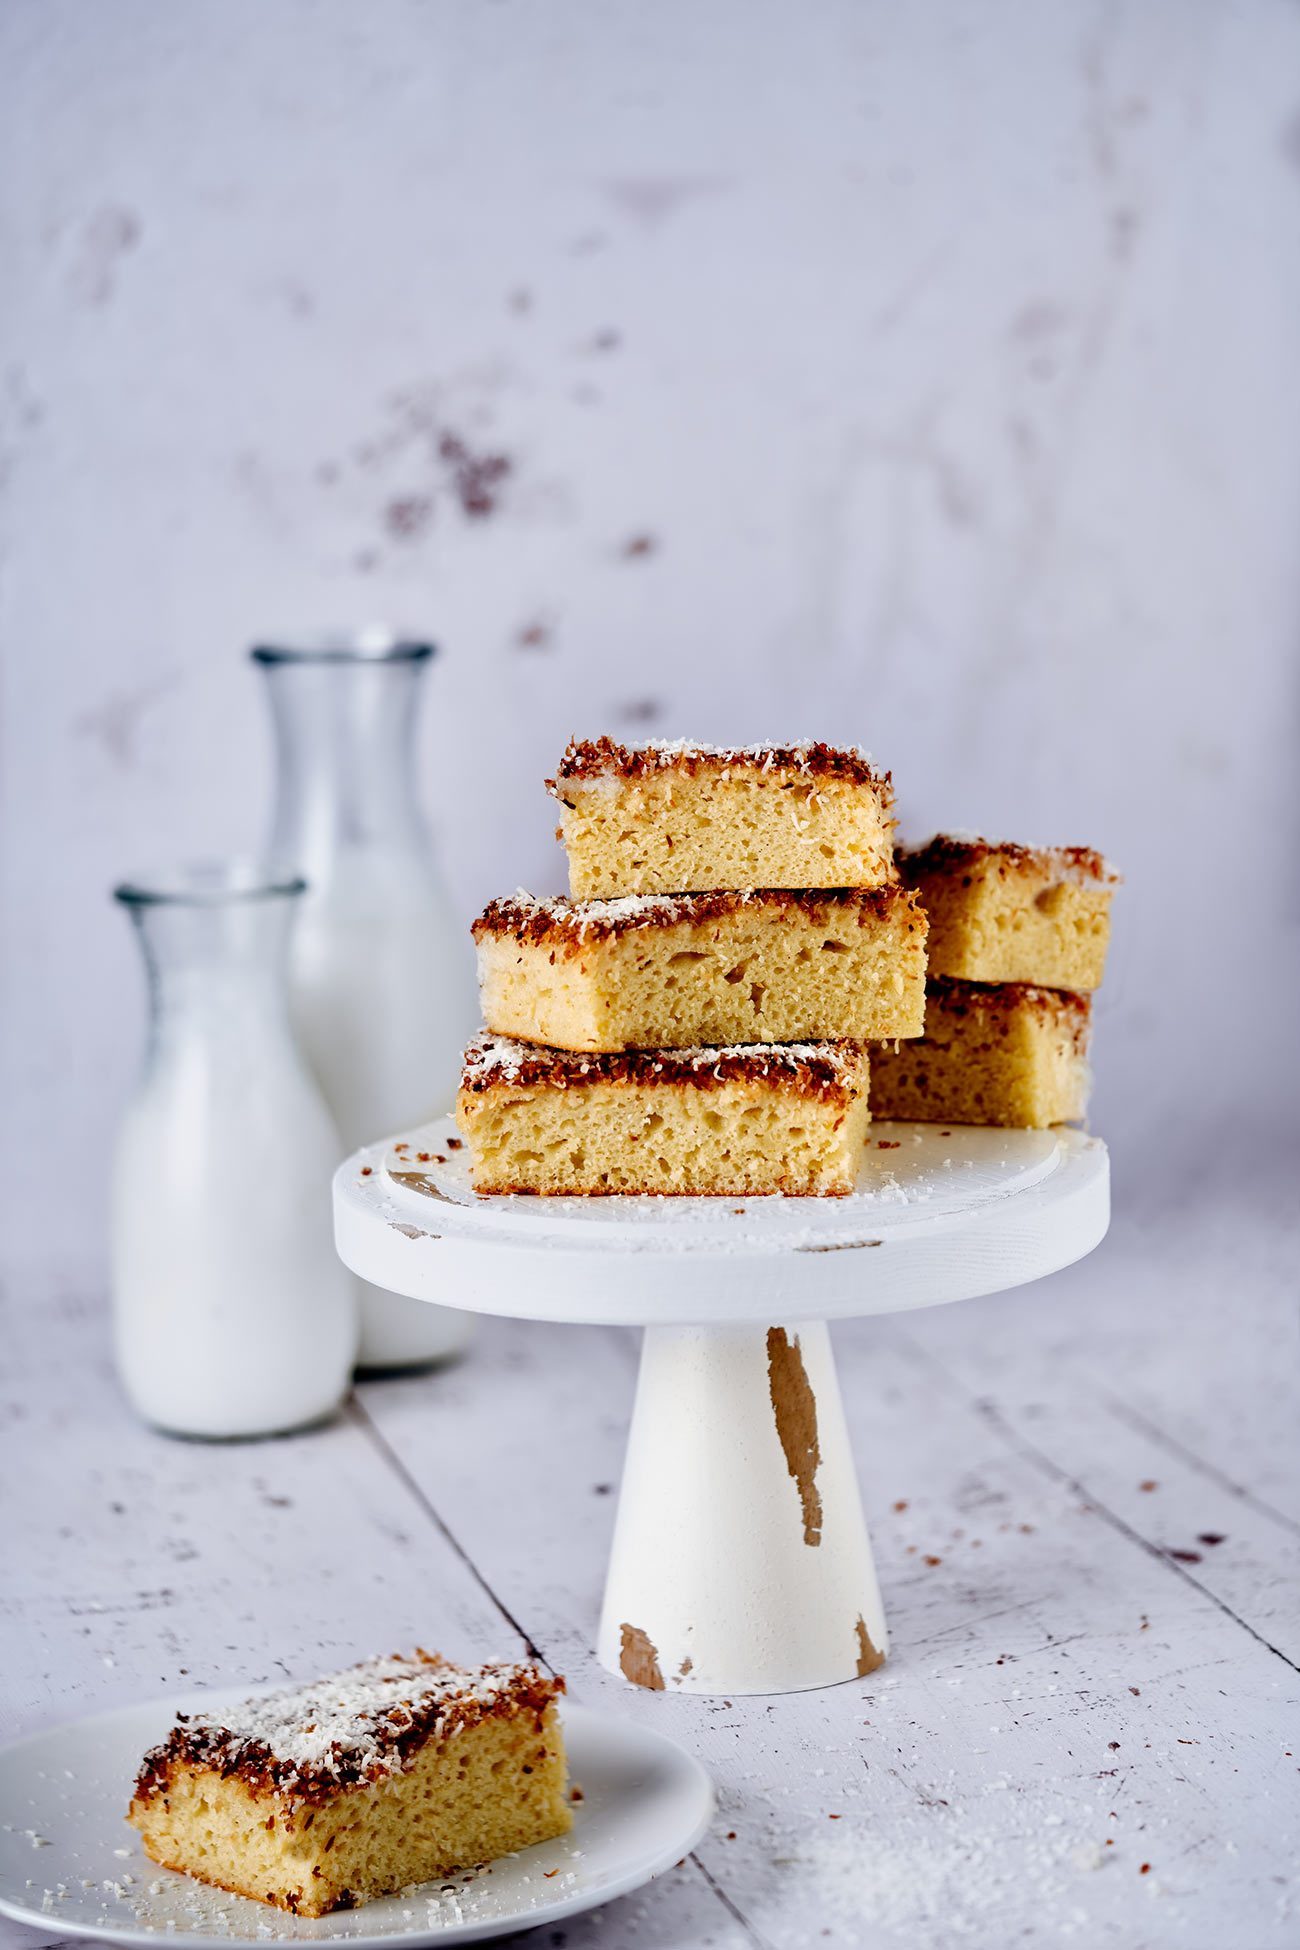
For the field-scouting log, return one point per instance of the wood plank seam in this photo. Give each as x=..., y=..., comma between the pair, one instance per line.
x=358, y=1412
x=992, y=1415
x=755, y=1935
x=1021, y=1445
x=1142, y=1425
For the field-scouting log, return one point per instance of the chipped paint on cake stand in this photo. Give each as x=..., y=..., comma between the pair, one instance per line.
x=741, y=1561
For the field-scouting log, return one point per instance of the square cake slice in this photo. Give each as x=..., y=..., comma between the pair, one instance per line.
x=661, y=971
x=1006, y=1054
x=392, y=1773
x=1005, y=913
x=679, y=818
x=728, y=1123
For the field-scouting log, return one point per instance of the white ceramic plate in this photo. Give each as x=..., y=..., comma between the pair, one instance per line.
x=70, y=1865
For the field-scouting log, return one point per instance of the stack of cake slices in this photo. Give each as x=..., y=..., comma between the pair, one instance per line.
x=695, y=1017
x=1018, y=939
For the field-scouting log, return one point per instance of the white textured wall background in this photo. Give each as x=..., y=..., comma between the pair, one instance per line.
x=941, y=362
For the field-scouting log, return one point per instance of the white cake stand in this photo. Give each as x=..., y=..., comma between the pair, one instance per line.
x=741, y=1562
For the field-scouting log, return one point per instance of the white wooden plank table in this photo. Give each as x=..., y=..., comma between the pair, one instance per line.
x=1084, y=1503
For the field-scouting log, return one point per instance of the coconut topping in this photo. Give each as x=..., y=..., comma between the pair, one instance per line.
x=597, y=758
x=356, y=1726
x=820, y=1069
x=529, y=918
x=957, y=852
x=1066, y=1010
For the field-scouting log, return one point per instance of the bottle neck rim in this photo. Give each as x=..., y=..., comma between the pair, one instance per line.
x=209, y=884
x=366, y=647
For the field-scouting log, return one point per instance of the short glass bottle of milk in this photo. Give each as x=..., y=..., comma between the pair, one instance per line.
x=232, y=1314
x=381, y=975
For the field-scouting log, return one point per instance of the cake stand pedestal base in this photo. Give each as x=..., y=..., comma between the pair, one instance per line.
x=741, y=1562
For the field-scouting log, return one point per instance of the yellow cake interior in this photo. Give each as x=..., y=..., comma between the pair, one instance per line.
x=738, y=1136
x=1015, y=1056
x=1014, y=915
x=773, y=969
x=678, y=831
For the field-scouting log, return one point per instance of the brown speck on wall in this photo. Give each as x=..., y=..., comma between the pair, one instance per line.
x=117, y=721
x=408, y=516
x=110, y=234
x=639, y=1660
x=640, y=710
x=476, y=478
x=649, y=201
x=638, y=546
x=795, y=1407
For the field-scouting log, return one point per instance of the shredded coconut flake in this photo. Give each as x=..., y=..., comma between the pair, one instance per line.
x=1080, y=864
x=601, y=762
x=548, y=916
x=761, y=754
x=353, y=1725
x=506, y=1059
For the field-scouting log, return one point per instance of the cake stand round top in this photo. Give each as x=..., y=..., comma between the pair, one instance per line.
x=939, y=1213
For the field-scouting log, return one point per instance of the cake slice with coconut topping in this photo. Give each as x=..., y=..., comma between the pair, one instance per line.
x=391, y=1773
x=685, y=818
x=1001, y=912
x=678, y=971
x=733, y=1122
x=1000, y=1053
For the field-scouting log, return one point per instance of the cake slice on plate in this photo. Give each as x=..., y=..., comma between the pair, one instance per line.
x=727, y=1122
x=685, y=818
x=394, y=1772
x=1005, y=913
x=1008, y=1053
x=673, y=971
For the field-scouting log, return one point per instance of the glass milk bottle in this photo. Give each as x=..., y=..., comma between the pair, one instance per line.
x=232, y=1313
x=382, y=978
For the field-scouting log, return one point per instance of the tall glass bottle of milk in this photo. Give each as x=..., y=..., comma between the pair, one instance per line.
x=232, y=1314
x=381, y=975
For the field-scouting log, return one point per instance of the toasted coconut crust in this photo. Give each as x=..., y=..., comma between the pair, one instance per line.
x=590, y=758
x=826, y=1071
x=567, y=925
x=431, y=1699
x=1004, y=999
x=949, y=853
